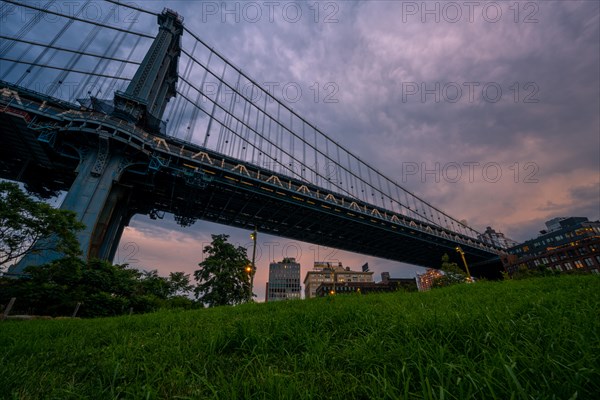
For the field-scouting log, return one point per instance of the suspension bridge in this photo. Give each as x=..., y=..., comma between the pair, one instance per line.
x=130, y=122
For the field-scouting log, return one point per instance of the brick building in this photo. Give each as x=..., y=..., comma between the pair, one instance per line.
x=567, y=244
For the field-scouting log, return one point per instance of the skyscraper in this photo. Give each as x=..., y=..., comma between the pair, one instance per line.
x=284, y=280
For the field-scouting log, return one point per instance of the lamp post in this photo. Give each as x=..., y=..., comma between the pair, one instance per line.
x=462, y=255
x=248, y=270
x=253, y=270
x=333, y=276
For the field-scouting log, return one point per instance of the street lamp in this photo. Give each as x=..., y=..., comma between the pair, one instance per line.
x=252, y=271
x=462, y=254
x=333, y=275
x=248, y=270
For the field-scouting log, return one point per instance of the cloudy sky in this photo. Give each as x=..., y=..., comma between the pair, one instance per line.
x=488, y=110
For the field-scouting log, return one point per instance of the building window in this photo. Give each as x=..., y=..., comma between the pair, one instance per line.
x=589, y=262
x=578, y=264
x=568, y=266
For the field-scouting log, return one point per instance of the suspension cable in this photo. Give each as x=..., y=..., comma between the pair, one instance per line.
x=59, y=48
x=65, y=69
x=237, y=69
x=278, y=160
x=76, y=57
x=59, y=14
x=283, y=127
x=28, y=26
x=132, y=6
x=104, y=62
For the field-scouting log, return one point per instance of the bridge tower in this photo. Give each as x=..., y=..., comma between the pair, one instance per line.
x=154, y=83
x=96, y=196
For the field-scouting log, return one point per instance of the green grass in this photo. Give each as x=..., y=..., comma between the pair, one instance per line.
x=530, y=339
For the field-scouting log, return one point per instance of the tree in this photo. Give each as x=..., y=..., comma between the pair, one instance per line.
x=179, y=284
x=25, y=221
x=103, y=289
x=176, y=284
x=453, y=274
x=222, y=277
x=525, y=272
x=451, y=267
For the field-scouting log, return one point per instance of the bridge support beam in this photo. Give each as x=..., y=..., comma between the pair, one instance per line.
x=99, y=203
x=109, y=229
x=115, y=216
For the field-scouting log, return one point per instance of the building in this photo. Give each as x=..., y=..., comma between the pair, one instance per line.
x=284, y=280
x=328, y=272
x=328, y=288
x=425, y=280
x=558, y=223
x=408, y=284
x=490, y=236
x=568, y=244
x=387, y=284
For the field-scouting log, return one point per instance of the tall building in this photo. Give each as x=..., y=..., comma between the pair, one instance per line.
x=571, y=243
x=328, y=272
x=284, y=280
x=497, y=239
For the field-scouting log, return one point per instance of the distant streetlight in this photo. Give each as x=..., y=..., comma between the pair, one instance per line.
x=462, y=254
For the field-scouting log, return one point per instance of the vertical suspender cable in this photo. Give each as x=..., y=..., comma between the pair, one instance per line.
x=198, y=99
x=44, y=52
x=212, y=113
x=76, y=57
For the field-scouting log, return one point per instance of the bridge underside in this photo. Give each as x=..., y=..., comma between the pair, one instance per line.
x=228, y=202
x=227, y=198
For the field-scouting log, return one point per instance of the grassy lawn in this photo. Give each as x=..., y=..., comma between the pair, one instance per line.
x=531, y=339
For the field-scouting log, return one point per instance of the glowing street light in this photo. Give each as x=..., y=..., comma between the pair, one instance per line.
x=248, y=269
x=462, y=254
